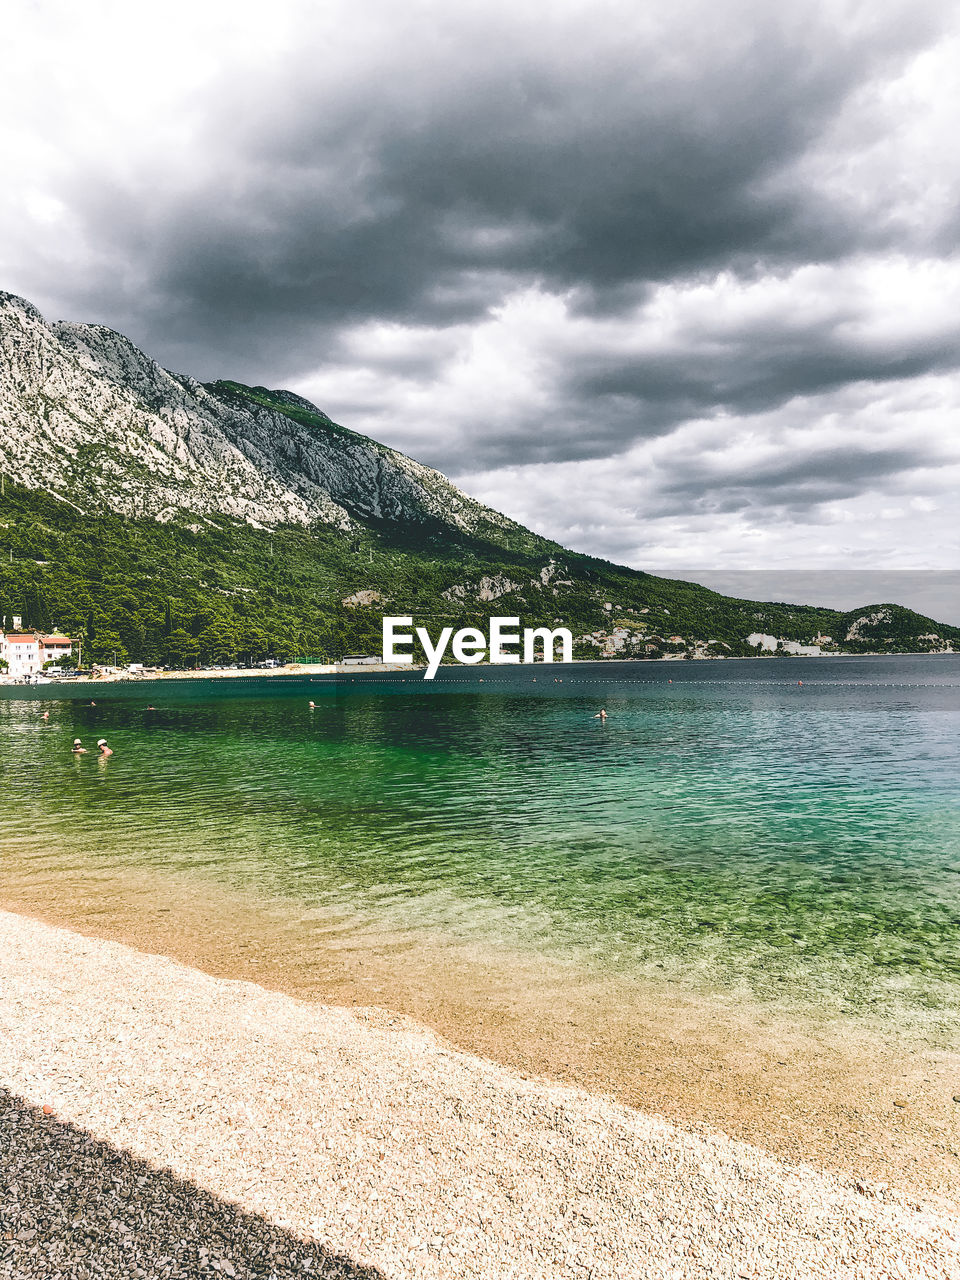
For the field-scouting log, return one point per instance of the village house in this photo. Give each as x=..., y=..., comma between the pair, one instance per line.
x=27, y=652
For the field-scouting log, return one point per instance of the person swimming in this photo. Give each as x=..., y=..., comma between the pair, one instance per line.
x=78, y=748
x=601, y=714
x=45, y=716
x=104, y=749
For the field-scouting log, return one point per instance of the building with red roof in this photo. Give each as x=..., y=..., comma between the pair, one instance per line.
x=27, y=652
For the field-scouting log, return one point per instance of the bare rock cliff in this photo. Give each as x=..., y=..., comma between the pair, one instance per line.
x=86, y=415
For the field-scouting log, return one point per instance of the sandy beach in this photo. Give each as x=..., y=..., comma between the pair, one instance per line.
x=157, y=1121
x=822, y=1090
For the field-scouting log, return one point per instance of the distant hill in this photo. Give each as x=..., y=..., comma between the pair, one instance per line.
x=168, y=520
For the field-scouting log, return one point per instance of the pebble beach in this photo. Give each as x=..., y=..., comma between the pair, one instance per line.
x=159, y=1122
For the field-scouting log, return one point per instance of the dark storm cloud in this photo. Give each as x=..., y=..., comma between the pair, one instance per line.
x=430, y=178
x=753, y=378
x=603, y=402
x=676, y=249
x=787, y=484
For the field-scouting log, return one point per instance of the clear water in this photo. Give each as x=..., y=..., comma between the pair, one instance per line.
x=729, y=831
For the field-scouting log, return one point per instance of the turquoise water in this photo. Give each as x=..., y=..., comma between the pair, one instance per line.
x=729, y=831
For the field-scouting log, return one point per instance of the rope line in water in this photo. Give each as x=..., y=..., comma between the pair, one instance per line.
x=852, y=684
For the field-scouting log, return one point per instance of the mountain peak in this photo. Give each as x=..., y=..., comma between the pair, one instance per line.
x=12, y=302
x=85, y=414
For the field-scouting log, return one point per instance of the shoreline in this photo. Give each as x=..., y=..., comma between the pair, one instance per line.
x=335, y=673
x=362, y=1132
x=853, y=1098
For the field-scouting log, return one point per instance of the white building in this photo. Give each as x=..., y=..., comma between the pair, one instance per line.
x=770, y=644
x=27, y=652
x=55, y=647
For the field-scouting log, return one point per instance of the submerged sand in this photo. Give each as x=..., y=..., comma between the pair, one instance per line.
x=156, y=1121
x=803, y=1084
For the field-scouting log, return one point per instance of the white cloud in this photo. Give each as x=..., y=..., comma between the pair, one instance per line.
x=753, y=492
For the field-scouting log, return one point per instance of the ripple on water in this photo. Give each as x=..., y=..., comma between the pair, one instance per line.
x=725, y=834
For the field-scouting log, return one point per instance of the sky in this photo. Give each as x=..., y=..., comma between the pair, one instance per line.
x=677, y=285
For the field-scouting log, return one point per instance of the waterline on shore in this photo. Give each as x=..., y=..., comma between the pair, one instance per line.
x=802, y=1085
x=360, y=1131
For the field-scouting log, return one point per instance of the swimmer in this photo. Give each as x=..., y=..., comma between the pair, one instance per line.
x=45, y=716
x=91, y=704
x=104, y=749
x=312, y=706
x=78, y=748
x=601, y=715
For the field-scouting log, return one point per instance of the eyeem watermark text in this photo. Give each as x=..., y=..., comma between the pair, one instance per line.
x=505, y=643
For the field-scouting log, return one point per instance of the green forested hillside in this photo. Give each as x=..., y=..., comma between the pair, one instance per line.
x=220, y=590
x=230, y=523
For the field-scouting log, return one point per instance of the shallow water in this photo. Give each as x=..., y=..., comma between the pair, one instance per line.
x=730, y=832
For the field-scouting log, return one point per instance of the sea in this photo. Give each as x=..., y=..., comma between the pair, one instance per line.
x=785, y=832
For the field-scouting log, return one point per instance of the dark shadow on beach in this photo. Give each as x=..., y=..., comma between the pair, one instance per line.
x=73, y=1206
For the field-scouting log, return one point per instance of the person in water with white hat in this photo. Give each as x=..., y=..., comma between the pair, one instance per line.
x=104, y=749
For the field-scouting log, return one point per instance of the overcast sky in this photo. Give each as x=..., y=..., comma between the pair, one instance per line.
x=676, y=284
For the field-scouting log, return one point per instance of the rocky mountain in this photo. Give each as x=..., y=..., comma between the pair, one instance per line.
x=163, y=519
x=87, y=416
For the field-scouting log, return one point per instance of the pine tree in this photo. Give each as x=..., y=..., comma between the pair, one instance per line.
x=31, y=607
x=44, y=618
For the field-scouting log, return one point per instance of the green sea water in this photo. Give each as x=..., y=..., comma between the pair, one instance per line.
x=726, y=829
